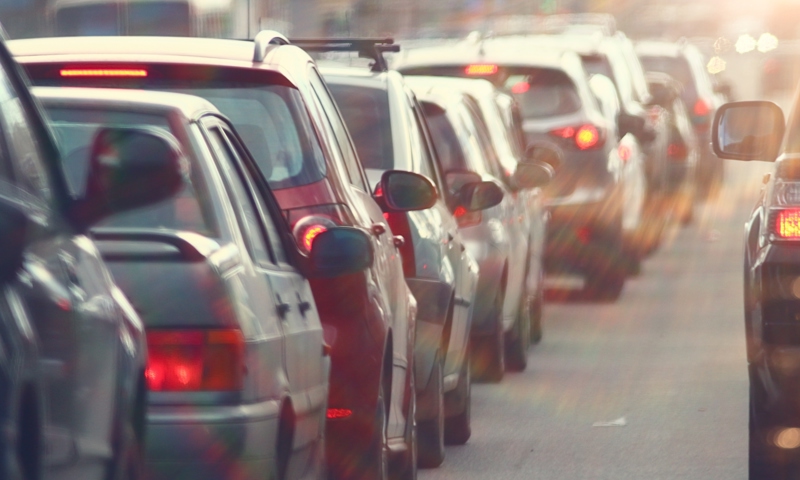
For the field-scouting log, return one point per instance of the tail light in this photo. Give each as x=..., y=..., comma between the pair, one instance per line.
x=480, y=69
x=307, y=223
x=398, y=223
x=585, y=136
x=701, y=108
x=784, y=216
x=787, y=224
x=465, y=218
x=677, y=151
x=195, y=360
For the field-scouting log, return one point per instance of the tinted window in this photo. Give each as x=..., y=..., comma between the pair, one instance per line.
x=544, y=93
x=75, y=129
x=99, y=19
x=678, y=68
x=366, y=113
x=445, y=140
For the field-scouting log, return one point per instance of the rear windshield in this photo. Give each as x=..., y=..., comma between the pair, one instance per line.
x=543, y=93
x=97, y=19
x=366, y=113
x=75, y=129
x=157, y=18
x=268, y=113
x=676, y=67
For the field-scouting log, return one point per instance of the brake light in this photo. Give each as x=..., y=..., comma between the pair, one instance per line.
x=103, y=72
x=677, y=151
x=465, y=218
x=787, y=224
x=481, y=69
x=195, y=360
x=338, y=413
x=585, y=136
x=701, y=108
x=520, y=87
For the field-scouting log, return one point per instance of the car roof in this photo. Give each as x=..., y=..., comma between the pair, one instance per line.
x=474, y=86
x=352, y=75
x=143, y=49
x=657, y=48
x=189, y=106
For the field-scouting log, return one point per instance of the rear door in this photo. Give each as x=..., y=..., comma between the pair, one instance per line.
x=295, y=307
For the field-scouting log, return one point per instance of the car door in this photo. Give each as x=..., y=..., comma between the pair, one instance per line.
x=67, y=291
x=299, y=321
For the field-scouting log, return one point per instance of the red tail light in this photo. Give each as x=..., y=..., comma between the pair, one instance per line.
x=520, y=87
x=585, y=136
x=195, y=360
x=103, y=72
x=465, y=218
x=481, y=69
x=787, y=224
x=701, y=108
x=677, y=151
x=624, y=153
x=338, y=413
x=308, y=223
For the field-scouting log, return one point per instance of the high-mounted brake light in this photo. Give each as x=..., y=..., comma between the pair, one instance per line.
x=195, y=360
x=481, y=69
x=787, y=224
x=103, y=72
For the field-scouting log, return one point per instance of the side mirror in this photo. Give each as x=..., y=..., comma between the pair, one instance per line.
x=748, y=131
x=406, y=191
x=480, y=196
x=539, y=152
x=14, y=226
x=533, y=175
x=129, y=168
x=340, y=251
x=636, y=126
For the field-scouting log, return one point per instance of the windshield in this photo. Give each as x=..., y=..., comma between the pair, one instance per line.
x=75, y=129
x=543, y=93
x=366, y=114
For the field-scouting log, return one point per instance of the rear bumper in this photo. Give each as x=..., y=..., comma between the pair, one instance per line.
x=212, y=442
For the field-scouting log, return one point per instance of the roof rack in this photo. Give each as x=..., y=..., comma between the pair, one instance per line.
x=373, y=48
x=263, y=40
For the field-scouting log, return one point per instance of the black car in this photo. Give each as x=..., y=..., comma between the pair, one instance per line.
x=72, y=348
x=755, y=131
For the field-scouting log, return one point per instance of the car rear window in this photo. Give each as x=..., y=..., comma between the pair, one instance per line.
x=366, y=113
x=543, y=93
x=265, y=109
x=676, y=67
x=92, y=19
x=159, y=18
x=75, y=128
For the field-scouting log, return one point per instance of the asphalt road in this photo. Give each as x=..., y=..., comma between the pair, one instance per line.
x=653, y=386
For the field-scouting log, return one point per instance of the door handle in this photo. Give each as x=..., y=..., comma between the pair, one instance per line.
x=398, y=241
x=303, y=305
x=282, y=308
x=378, y=229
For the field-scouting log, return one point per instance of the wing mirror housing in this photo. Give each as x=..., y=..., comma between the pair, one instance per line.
x=129, y=168
x=748, y=131
x=407, y=191
x=15, y=225
x=635, y=125
x=340, y=251
x=540, y=152
x=480, y=196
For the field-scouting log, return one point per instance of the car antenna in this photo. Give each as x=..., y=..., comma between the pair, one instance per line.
x=372, y=48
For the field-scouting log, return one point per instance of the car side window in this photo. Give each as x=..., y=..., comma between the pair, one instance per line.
x=428, y=163
x=246, y=214
x=30, y=171
x=272, y=233
x=340, y=131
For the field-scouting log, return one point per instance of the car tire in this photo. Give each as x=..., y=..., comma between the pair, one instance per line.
x=765, y=462
x=536, y=307
x=407, y=467
x=519, y=338
x=458, y=426
x=430, y=433
x=488, y=359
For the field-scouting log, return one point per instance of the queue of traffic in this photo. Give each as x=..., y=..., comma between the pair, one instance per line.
x=274, y=267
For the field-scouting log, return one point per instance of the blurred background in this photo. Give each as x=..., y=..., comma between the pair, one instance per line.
x=752, y=46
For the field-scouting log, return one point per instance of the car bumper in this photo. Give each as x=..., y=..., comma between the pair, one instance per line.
x=212, y=442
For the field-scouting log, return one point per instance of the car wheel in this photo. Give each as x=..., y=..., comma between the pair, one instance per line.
x=519, y=338
x=488, y=360
x=764, y=461
x=407, y=467
x=430, y=433
x=458, y=426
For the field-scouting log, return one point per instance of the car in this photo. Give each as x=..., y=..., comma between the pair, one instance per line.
x=72, y=367
x=684, y=62
x=246, y=355
x=586, y=199
x=683, y=151
x=390, y=133
x=748, y=131
x=277, y=101
x=465, y=155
